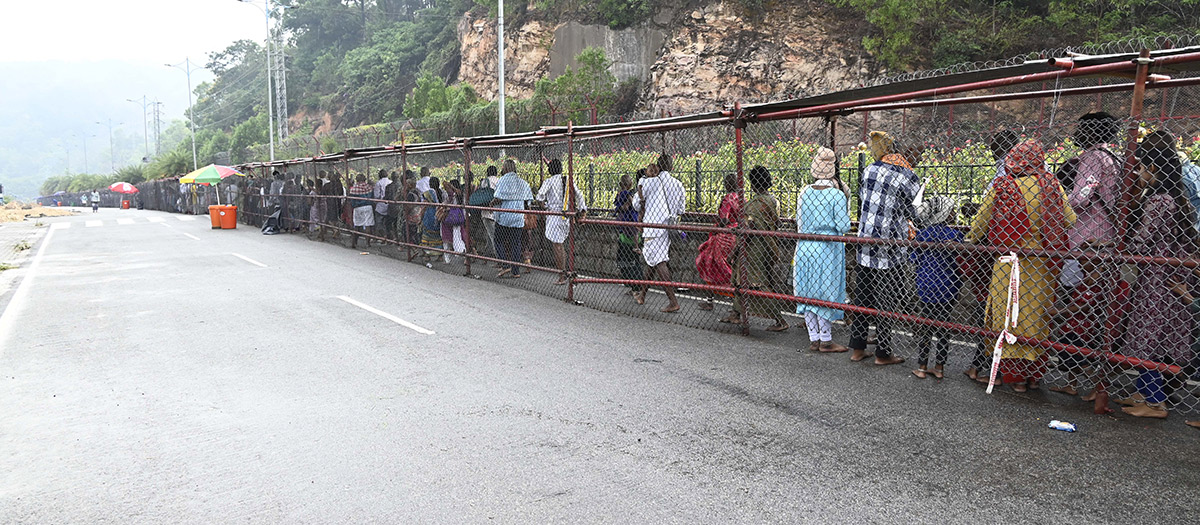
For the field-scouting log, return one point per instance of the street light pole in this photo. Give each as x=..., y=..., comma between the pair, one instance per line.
x=191, y=118
x=270, y=91
x=145, y=124
x=500, y=45
x=112, y=157
x=85, y=159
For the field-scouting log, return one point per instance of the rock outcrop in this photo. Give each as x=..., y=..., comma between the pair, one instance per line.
x=526, y=55
x=702, y=58
x=716, y=57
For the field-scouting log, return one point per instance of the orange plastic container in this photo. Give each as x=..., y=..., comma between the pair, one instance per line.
x=124, y=205
x=214, y=214
x=228, y=217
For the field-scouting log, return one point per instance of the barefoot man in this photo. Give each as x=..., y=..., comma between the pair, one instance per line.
x=660, y=198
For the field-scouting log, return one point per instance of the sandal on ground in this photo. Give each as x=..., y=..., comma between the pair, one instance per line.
x=814, y=346
x=503, y=272
x=732, y=318
x=921, y=372
x=639, y=297
x=938, y=372
x=859, y=355
x=560, y=282
x=1034, y=384
x=1193, y=424
x=830, y=347
x=1068, y=390
x=670, y=309
x=1020, y=388
x=971, y=373
x=778, y=327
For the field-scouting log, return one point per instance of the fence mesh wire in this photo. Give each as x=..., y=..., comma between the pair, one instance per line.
x=1056, y=226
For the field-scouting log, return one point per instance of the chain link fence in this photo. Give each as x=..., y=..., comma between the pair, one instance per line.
x=1032, y=237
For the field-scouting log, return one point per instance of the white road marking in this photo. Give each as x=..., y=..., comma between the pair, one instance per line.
x=21, y=295
x=155, y=219
x=60, y=226
x=247, y=259
x=93, y=224
x=192, y=236
x=124, y=221
x=185, y=217
x=387, y=316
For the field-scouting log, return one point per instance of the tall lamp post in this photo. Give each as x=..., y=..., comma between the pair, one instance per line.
x=500, y=44
x=145, y=124
x=112, y=157
x=266, y=9
x=85, y=159
x=187, y=68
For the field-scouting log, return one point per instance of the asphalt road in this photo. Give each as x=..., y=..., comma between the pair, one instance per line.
x=165, y=372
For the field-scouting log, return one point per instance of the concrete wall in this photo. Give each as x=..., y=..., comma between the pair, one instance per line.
x=632, y=50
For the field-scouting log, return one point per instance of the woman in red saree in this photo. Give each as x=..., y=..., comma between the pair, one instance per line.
x=713, y=260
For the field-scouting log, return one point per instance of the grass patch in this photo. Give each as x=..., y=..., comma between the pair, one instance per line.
x=22, y=246
x=6, y=266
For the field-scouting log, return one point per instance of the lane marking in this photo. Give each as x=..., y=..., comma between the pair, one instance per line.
x=387, y=316
x=186, y=218
x=244, y=258
x=60, y=226
x=21, y=295
x=192, y=236
x=93, y=224
x=155, y=219
x=124, y=221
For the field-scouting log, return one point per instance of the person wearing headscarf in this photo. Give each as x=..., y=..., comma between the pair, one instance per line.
x=938, y=281
x=887, y=190
x=819, y=267
x=1026, y=208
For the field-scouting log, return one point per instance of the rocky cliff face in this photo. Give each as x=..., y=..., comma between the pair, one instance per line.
x=700, y=57
x=714, y=56
x=526, y=55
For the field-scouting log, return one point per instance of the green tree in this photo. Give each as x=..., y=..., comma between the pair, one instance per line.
x=432, y=95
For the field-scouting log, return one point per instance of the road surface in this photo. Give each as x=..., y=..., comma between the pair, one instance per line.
x=155, y=370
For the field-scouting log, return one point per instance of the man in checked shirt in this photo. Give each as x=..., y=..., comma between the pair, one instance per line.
x=888, y=189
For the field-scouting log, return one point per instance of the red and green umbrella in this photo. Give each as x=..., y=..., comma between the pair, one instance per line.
x=210, y=174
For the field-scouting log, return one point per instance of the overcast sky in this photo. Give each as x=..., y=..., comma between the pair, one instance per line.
x=146, y=31
x=67, y=67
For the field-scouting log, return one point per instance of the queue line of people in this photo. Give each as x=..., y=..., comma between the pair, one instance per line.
x=1083, y=302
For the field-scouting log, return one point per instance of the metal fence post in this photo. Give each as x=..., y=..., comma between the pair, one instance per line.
x=1128, y=194
x=696, y=201
x=403, y=221
x=739, y=122
x=464, y=198
x=572, y=206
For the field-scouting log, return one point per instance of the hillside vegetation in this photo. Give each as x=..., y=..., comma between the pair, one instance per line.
x=375, y=61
